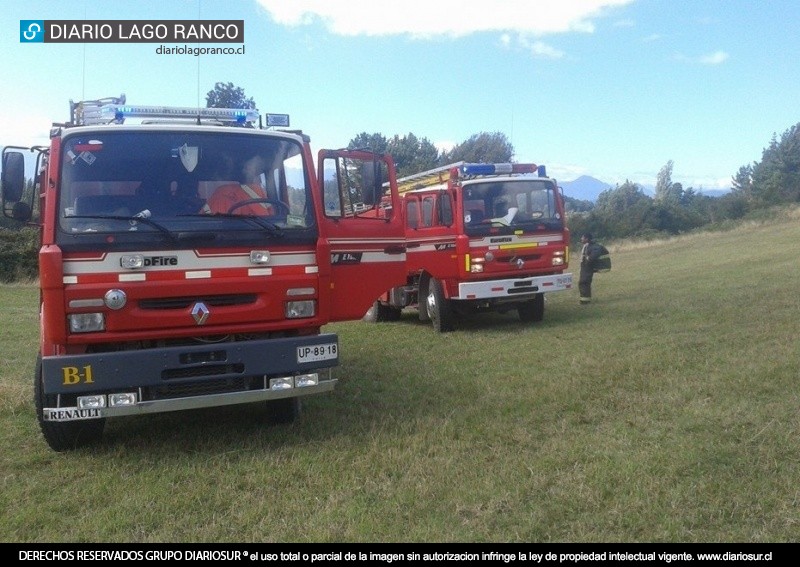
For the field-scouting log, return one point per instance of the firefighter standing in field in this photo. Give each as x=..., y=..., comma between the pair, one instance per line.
x=590, y=252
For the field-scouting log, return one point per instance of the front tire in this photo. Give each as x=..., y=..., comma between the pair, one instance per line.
x=63, y=436
x=440, y=311
x=380, y=312
x=532, y=311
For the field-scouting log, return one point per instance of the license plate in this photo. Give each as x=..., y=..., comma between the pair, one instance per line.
x=314, y=353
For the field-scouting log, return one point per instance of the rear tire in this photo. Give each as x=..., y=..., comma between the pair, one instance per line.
x=283, y=411
x=63, y=436
x=439, y=309
x=532, y=311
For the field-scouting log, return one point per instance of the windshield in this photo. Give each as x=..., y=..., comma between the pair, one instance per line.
x=146, y=186
x=518, y=203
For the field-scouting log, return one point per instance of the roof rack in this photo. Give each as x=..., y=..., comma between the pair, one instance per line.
x=426, y=178
x=114, y=111
x=462, y=169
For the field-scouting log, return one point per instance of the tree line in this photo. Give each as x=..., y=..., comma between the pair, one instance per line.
x=624, y=211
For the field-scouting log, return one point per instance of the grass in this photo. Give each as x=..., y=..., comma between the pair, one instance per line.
x=665, y=411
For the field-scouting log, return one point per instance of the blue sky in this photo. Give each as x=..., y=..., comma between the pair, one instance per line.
x=608, y=88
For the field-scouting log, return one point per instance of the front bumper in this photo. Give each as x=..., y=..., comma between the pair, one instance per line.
x=513, y=288
x=177, y=378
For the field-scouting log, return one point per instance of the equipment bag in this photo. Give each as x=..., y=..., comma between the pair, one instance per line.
x=603, y=262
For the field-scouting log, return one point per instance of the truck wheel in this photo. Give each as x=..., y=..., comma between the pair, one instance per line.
x=63, y=436
x=380, y=312
x=532, y=311
x=283, y=411
x=439, y=308
x=422, y=291
x=371, y=316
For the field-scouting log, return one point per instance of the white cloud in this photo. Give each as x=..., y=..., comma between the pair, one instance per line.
x=420, y=18
x=714, y=58
x=444, y=145
x=540, y=49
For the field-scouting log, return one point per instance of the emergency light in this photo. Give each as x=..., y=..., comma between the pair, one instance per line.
x=104, y=113
x=499, y=168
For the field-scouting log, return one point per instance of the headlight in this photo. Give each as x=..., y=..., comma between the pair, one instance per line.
x=91, y=402
x=86, y=322
x=300, y=309
x=132, y=261
x=283, y=383
x=122, y=399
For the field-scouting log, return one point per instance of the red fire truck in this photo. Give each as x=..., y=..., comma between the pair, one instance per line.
x=151, y=301
x=479, y=237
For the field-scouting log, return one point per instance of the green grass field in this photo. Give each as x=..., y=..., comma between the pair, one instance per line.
x=666, y=411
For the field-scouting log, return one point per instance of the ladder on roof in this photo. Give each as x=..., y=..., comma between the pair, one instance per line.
x=426, y=178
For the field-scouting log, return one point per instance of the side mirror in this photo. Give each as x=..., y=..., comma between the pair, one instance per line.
x=373, y=183
x=13, y=177
x=21, y=211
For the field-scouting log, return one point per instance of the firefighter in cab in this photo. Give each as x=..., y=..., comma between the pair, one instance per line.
x=248, y=197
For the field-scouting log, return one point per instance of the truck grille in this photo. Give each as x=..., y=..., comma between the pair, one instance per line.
x=185, y=302
x=204, y=387
x=201, y=371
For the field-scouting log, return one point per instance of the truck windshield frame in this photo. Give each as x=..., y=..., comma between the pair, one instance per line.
x=506, y=205
x=134, y=188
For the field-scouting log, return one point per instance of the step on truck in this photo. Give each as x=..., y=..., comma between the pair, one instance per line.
x=480, y=237
x=152, y=301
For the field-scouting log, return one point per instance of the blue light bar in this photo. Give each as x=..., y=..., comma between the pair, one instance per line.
x=496, y=168
x=102, y=114
x=477, y=169
x=541, y=171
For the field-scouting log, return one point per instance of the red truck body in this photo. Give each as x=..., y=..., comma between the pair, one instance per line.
x=479, y=237
x=150, y=305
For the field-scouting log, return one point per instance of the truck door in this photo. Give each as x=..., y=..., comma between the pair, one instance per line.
x=361, y=230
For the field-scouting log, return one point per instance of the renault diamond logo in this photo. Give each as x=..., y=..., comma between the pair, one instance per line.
x=520, y=263
x=200, y=312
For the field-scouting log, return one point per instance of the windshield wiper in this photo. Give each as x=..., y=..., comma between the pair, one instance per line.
x=144, y=217
x=271, y=229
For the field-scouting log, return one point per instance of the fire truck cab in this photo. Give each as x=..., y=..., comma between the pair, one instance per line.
x=154, y=301
x=480, y=237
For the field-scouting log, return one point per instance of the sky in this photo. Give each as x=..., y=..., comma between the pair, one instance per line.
x=614, y=89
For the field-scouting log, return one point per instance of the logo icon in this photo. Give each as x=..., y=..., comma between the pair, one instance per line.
x=31, y=31
x=200, y=313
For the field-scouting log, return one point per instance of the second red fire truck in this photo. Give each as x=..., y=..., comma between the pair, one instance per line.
x=479, y=237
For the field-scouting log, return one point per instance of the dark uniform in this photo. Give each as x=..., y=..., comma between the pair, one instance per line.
x=590, y=252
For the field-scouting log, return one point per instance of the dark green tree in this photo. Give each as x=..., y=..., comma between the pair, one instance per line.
x=742, y=182
x=776, y=178
x=485, y=147
x=412, y=154
x=373, y=142
x=227, y=95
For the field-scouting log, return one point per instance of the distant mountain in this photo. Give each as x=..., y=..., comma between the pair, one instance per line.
x=585, y=188
x=588, y=188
